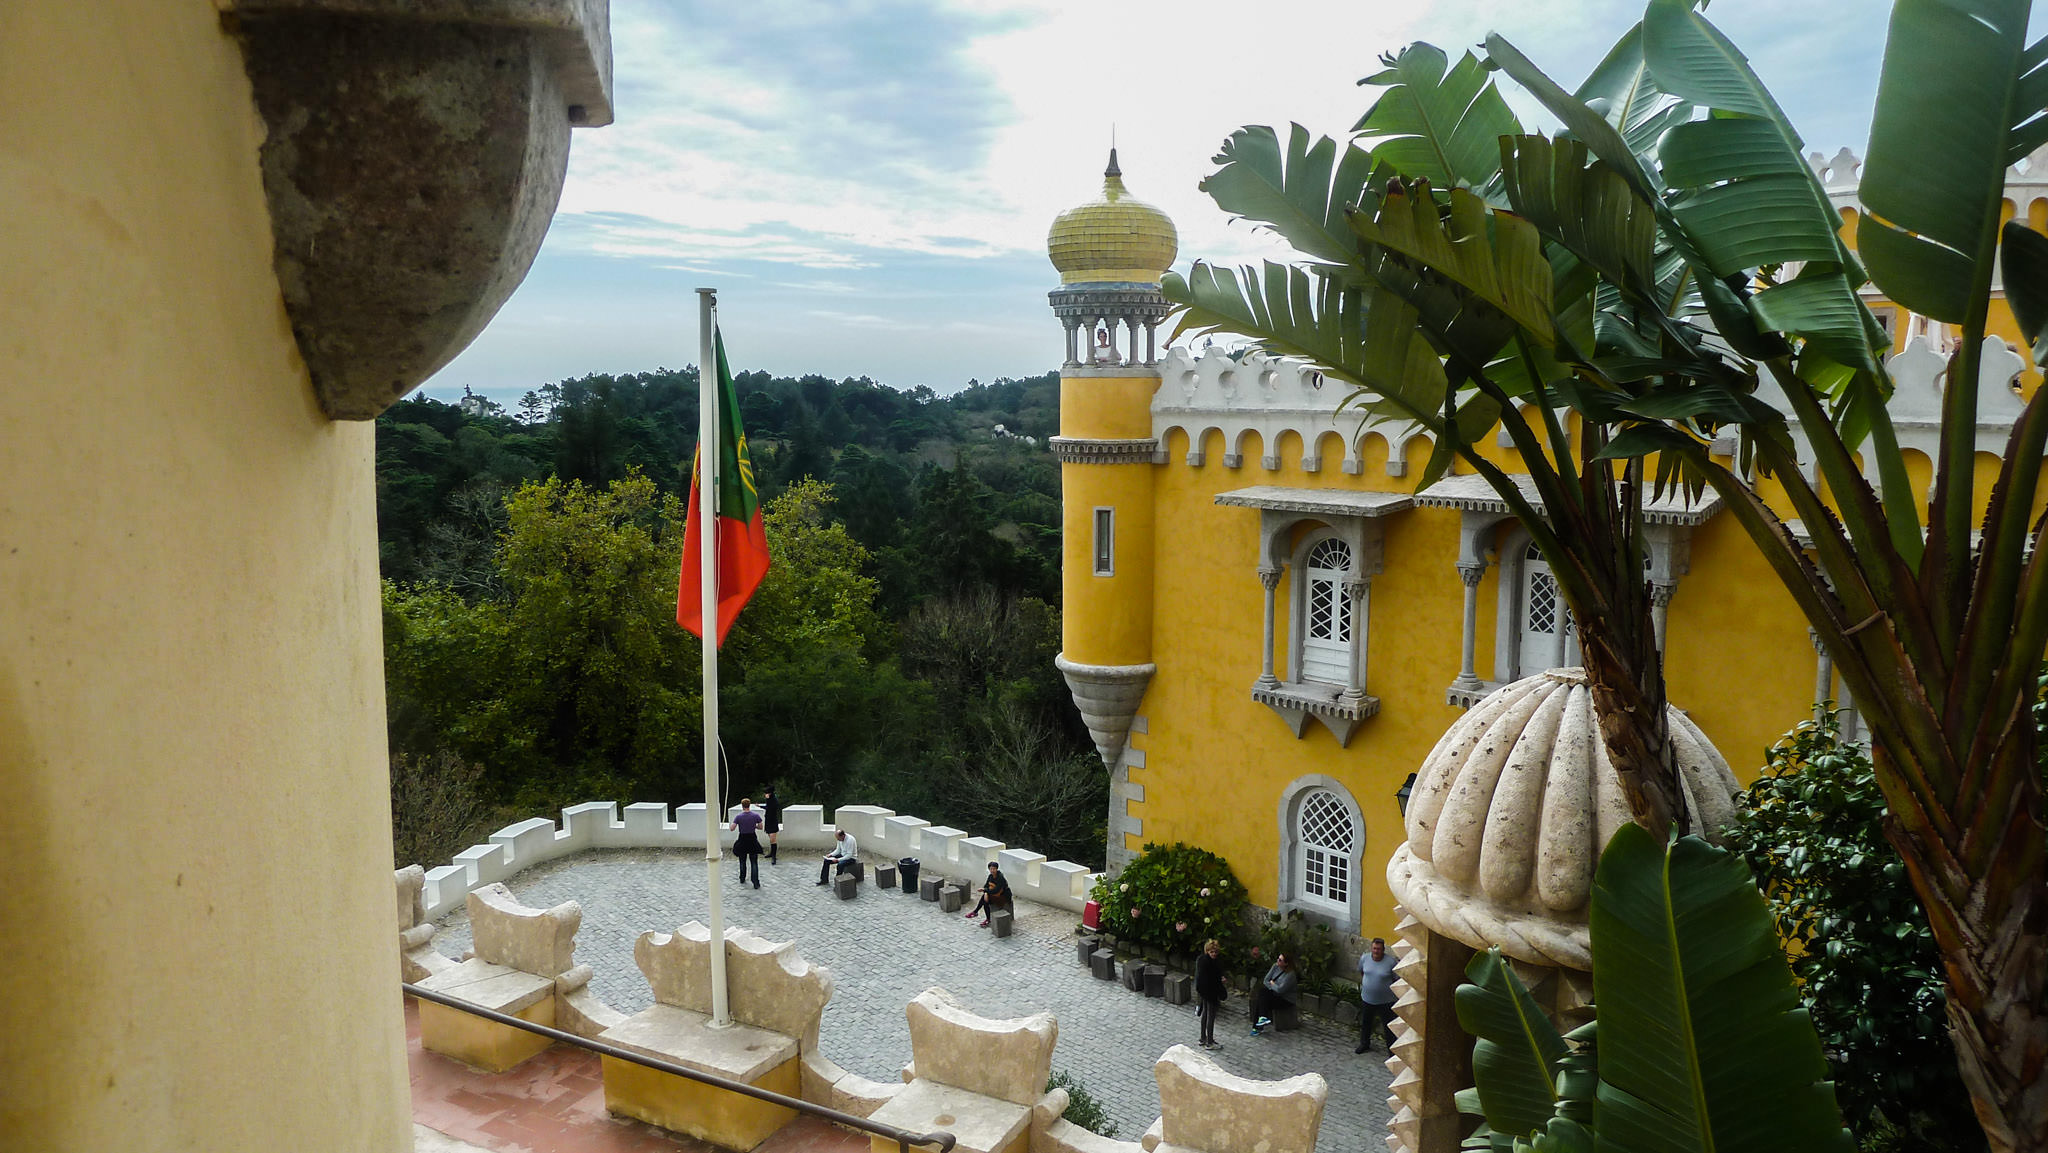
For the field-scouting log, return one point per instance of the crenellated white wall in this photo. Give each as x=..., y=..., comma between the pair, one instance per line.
x=1267, y=395
x=881, y=833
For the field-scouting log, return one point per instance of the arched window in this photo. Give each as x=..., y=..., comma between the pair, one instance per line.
x=1325, y=843
x=1545, y=619
x=1326, y=634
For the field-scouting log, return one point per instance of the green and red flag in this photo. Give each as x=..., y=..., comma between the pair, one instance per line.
x=742, y=542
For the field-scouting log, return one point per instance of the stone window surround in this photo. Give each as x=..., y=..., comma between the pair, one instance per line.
x=1103, y=526
x=1289, y=897
x=1352, y=517
x=1667, y=531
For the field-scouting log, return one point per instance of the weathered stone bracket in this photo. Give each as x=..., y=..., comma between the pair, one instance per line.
x=414, y=157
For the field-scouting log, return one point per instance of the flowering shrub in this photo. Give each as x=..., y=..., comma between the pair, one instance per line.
x=1173, y=896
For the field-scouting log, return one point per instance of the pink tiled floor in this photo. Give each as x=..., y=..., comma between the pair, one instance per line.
x=554, y=1103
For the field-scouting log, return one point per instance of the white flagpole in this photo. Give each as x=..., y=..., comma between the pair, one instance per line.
x=707, y=551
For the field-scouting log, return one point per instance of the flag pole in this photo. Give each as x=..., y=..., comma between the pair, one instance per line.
x=707, y=552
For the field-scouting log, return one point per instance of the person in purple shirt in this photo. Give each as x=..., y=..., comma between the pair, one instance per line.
x=747, y=846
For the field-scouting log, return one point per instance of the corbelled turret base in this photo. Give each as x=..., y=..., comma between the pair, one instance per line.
x=1108, y=697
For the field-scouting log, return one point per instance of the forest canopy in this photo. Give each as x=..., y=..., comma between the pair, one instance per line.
x=898, y=653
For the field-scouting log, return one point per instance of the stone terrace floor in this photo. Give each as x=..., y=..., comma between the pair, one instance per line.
x=885, y=947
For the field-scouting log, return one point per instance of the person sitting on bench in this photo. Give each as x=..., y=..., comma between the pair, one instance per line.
x=1278, y=989
x=995, y=894
x=845, y=853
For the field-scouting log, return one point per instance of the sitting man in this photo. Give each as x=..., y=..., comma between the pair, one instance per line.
x=1278, y=989
x=995, y=894
x=845, y=853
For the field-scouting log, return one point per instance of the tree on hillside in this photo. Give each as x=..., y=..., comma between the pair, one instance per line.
x=1653, y=267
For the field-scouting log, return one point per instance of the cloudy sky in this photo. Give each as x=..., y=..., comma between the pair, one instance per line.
x=868, y=183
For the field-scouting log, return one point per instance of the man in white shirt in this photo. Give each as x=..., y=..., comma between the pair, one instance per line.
x=844, y=853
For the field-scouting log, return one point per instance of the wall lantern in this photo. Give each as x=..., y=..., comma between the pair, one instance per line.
x=1401, y=794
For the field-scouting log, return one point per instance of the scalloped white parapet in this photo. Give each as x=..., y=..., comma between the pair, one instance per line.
x=1512, y=808
x=882, y=833
x=1254, y=399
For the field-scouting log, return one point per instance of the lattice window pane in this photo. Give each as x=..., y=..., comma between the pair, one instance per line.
x=1337, y=882
x=1542, y=603
x=1322, y=609
x=1326, y=823
x=1312, y=876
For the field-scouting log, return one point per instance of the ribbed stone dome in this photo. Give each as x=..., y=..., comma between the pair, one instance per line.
x=1511, y=810
x=1115, y=238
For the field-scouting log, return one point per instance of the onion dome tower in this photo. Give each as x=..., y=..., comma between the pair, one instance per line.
x=1508, y=818
x=1110, y=253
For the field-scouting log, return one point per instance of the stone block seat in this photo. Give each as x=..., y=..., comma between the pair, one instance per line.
x=980, y=1079
x=523, y=958
x=775, y=998
x=1205, y=1109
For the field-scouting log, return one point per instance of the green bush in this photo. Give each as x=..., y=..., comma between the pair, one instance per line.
x=1173, y=896
x=1307, y=942
x=1082, y=1107
x=1812, y=830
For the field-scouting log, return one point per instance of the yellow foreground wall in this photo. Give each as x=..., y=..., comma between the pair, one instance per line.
x=191, y=690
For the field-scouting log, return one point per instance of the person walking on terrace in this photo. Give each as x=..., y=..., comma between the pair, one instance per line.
x=771, y=821
x=1277, y=990
x=995, y=894
x=1210, y=989
x=844, y=853
x=1376, y=995
x=747, y=846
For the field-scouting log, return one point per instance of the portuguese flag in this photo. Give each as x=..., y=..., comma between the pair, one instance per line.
x=742, y=543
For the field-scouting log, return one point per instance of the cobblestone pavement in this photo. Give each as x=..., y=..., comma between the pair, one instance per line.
x=885, y=947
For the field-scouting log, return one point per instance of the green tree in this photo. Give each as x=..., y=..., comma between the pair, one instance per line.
x=814, y=693
x=1869, y=973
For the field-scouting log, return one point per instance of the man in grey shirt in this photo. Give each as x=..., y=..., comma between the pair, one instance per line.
x=1376, y=994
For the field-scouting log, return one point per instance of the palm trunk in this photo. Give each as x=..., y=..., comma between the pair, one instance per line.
x=1993, y=934
x=1628, y=701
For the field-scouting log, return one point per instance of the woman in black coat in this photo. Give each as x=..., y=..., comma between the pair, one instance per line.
x=771, y=816
x=1210, y=990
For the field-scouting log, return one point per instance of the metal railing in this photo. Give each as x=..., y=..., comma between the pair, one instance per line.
x=904, y=1138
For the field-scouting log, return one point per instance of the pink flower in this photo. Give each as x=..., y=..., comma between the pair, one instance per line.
x=1180, y=927
x=1255, y=950
x=1136, y=912
x=1205, y=892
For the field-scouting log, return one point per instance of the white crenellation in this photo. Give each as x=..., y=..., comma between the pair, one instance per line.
x=882, y=833
x=1260, y=398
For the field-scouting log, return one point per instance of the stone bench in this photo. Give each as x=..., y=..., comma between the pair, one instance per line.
x=522, y=961
x=981, y=1079
x=775, y=999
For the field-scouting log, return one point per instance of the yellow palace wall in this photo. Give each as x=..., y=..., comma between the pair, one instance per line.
x=1216, y=762
x=191, y=690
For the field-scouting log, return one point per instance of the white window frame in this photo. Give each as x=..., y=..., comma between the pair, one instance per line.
x=1299, y=596
x=1104, y=528
x=1341, y=916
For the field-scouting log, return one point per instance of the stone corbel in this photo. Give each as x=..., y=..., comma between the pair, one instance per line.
x=414, y=154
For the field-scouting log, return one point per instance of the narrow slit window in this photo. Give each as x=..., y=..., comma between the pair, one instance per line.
x=1105, y=542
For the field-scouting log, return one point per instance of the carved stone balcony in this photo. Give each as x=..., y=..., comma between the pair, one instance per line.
x=1296, y=702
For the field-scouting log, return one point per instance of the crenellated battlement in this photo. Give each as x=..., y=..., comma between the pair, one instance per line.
x=942, y=851
x=1269, y=396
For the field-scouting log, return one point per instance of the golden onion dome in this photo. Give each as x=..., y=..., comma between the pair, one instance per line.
x=1115, y=238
